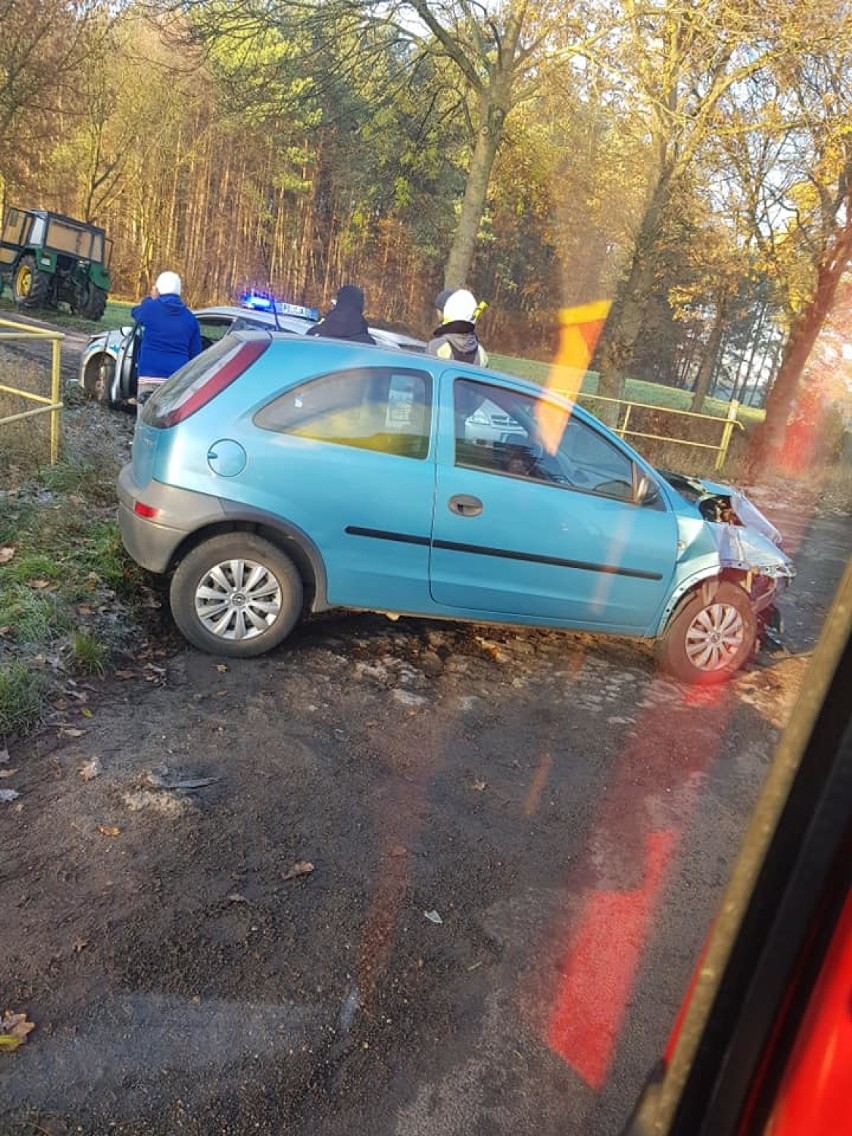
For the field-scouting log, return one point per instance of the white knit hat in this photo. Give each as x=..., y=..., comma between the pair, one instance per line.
x=460, y=306
x=168, y=284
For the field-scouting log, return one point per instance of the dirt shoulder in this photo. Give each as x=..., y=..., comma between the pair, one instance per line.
x=338, y=889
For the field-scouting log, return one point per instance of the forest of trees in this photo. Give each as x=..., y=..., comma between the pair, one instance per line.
x=691, y=160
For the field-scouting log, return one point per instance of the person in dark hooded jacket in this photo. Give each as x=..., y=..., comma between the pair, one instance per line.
x=346, y=318
x=456, y=337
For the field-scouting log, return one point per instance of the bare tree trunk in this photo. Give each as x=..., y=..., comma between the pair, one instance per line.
x=769, y=440
x=711, y=354
x=476, y=191
x=627, y=313
x=756, y=330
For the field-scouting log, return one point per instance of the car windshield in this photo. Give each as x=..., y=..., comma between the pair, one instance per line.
x=383, y=710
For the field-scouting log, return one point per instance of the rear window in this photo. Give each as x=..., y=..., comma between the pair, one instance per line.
x=201, y=379
x=386, y=409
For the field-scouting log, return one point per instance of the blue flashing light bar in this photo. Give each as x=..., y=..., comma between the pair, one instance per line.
x=260, y=301
x=257, y=301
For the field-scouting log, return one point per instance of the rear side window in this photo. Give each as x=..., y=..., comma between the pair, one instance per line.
x=387, y=409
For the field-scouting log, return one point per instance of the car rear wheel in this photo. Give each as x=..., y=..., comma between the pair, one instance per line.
x=711, y=635
x=236, y=594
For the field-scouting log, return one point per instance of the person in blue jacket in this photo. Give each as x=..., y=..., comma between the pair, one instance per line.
x=171, y=335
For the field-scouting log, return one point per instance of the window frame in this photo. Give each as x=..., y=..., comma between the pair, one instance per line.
x=638, y=474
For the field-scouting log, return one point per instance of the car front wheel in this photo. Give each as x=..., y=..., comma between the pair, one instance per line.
x=710, y=636
x=98, y=378
x=236, y=594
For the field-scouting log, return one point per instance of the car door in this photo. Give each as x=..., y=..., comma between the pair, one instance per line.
x=536, y=514
x=213, y=327
x=126, y=363
x=348, y=458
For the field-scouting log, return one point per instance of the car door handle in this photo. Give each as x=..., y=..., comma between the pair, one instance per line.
x=465, y=505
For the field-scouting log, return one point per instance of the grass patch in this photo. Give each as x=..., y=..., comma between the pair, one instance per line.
x=70, y=597
x=32, y=618
x=89, y=654
x=16, y=516
x=24, y=445
x=635, y=390
x=100, y=558
x=94, y=480
x=33, y=569
x=23, y=694
x=117, y=314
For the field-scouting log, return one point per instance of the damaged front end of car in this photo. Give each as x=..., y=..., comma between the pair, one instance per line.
x=749, y=546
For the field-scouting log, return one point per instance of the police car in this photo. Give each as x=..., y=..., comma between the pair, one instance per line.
x=108, y=365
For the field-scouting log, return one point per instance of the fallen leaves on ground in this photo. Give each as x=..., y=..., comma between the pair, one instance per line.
x=91, y=769
x=300, y=868
x=491, y=649
x=7, y=772
x=109, y=830
x=6, y=553
x=14, y=1029
x=479, y=786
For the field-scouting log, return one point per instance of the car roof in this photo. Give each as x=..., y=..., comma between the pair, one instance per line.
x=259, y=318
x=368, y=352
x=300, y=325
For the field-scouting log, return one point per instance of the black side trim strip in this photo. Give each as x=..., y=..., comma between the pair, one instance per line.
x=380, y=534
x=505, y=554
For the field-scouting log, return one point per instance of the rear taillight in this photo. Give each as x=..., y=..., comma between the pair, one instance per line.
x=143, y=510
x=210, y=383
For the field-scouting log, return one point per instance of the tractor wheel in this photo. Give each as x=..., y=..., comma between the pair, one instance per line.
x=89, y=301
x=30, y=287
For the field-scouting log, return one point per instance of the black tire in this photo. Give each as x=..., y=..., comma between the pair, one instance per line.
x=30, y=288
x=710, y=636
x=224, y=580
x=97, y=381
x=92, y=302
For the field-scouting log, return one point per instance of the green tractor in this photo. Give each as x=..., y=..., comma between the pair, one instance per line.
x=47, y=258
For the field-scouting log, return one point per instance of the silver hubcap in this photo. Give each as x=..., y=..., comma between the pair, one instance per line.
x=238, y=599
x=715, y=637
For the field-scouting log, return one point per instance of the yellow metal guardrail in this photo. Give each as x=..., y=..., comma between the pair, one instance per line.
x=728, y=424
x=51, y=405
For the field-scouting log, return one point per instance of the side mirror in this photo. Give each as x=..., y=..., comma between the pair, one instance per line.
x=647, y=490
x=126, y=330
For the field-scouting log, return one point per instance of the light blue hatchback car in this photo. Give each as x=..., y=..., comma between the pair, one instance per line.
x=275, y=476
